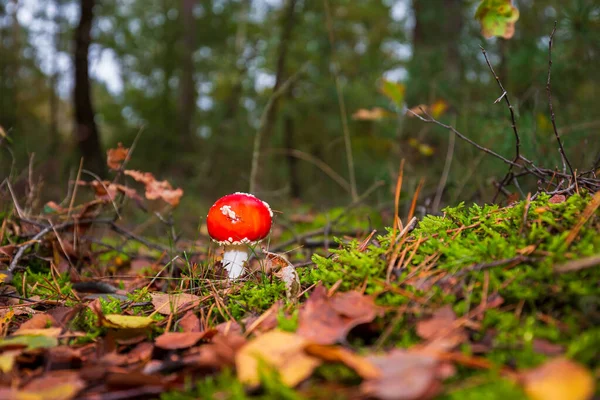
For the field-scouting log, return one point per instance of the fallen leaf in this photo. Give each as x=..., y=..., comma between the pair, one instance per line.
x=404, y=376
x=557, y=198
x=284, y=351
x=156, y=189
x=374, y=114
x=29, y=342
x=497, y=18
x=38, y=321
x=190, y=322
x=182, y=340
x=167, y=304
x=48, y=332
x=114, y=157
x=325, y=320
x=558, y=379
x=441, y=329
x=54, y=385
x=360, y=365
x=126, y=321
x=7, y=360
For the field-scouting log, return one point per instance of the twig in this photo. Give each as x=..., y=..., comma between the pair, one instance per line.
x=510, y=107
x=577, y=265
x=75, y=187
x=22, y=249
x=342, y=106
x=549, y=91
x=263, y=123
x=14, y=199
x=430, y=119
x=492, y=264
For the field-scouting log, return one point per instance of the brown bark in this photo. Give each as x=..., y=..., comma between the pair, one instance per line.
x=87, y=136
x=187, y=98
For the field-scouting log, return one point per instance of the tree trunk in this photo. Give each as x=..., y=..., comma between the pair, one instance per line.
x=86, y=132
x=292, y=162
x=187, y=99
x=54, y=101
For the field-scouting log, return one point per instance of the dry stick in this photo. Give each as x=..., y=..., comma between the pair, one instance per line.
x=430, y=119
x=317, y=163
x=22, y=249
x=509, y=175
x=561, y=149
x=72, y=202
x=342, y=105
x=263, y=123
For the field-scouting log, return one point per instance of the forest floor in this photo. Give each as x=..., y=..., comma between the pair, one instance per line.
x=482, y=302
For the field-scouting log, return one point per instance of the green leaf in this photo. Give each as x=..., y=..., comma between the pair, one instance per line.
x=497, y=18
x=393, y=91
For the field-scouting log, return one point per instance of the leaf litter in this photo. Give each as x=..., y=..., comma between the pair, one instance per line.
x=404, y=313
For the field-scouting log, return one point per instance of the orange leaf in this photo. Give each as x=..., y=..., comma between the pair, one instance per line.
x=115, y=156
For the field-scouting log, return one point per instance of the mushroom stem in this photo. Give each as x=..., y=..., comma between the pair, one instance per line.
x=234, y=258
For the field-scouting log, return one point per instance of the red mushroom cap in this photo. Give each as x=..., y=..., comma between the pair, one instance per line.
x=239, y=218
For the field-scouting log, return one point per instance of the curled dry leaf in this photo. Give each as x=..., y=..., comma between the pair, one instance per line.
x=54, y=385
x=280, y=350
x=156, y=189
x=167, y=304
x=114, y=157
x=360, y=365
x=325, y=320
x=182, y=340
x=441, y=330
x=558, y=379
x=374, y=114
x=126, y=321
x=405, y=375
x=285, y=271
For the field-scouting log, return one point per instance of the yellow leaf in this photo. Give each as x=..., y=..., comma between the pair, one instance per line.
x=47, y=332
x=126, y=321
x=559, y=379
x=393, y=91
x=7, y=360
x=438, y=108
x=283, y=351
x=426, y=149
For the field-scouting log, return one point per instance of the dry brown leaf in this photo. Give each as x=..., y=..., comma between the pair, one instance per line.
x=167, y=304
x=114, y=157
x=360, y=365
x=39, y=321
x=283, y=351
x=156, y=189
x=558, y=379
x=374, y=114
x=182, y=340
x=441, y=329
x=405, y=375
x=557, y=198
x=190, y=322
x=54, y=385
x=325, y=320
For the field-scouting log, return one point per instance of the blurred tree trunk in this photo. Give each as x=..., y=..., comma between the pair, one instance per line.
x=54, y=101
x=187, y=99
x=433, y=72
x=292, y=162
x=86, y=131
x=287, y=24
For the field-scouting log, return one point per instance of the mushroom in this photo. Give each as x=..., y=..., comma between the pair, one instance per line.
x=238, y=221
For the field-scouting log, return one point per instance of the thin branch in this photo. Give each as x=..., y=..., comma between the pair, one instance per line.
x=342, y=106
x=549, y=91
x=263, y=123
x=510, y=107
x=430, y=119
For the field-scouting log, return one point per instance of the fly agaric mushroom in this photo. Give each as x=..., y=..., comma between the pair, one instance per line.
x=237, y=221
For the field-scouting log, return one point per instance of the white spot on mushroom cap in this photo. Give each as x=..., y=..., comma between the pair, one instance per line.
x=229, y=213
